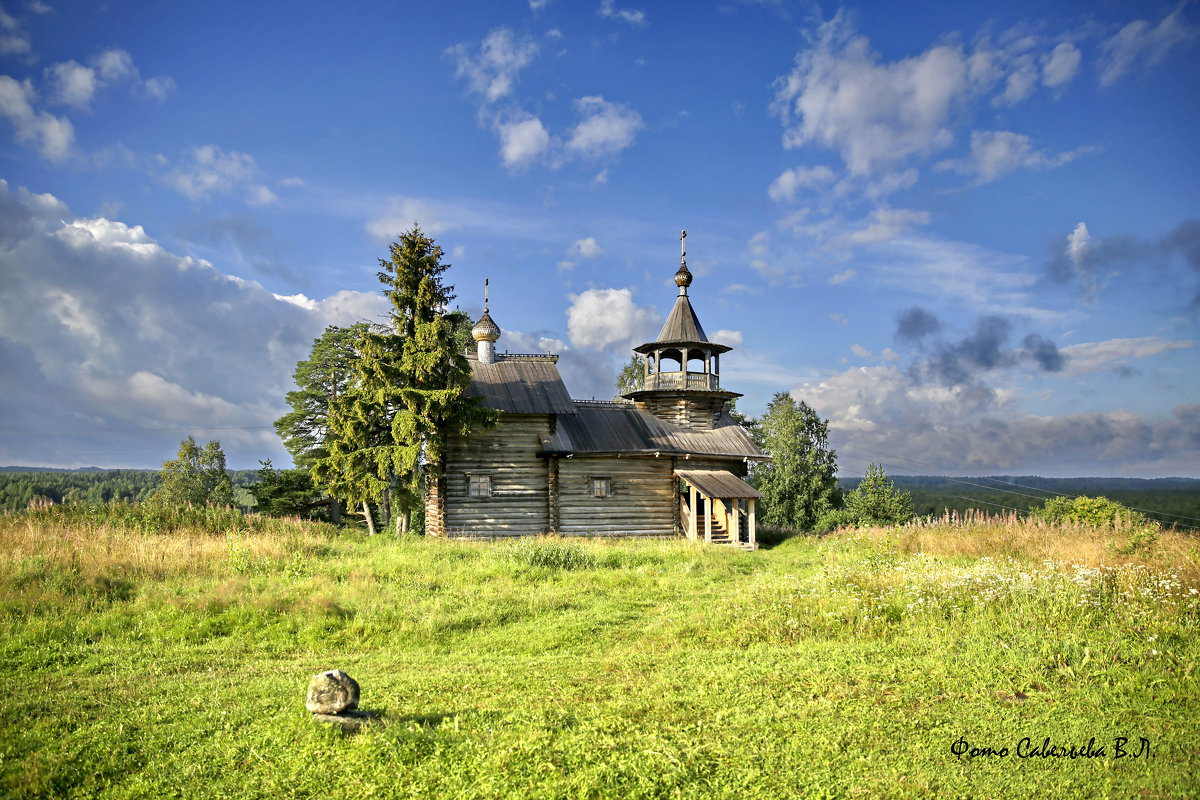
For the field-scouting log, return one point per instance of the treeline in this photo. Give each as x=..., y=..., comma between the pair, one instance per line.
x=19, y=488
x=1168, y=500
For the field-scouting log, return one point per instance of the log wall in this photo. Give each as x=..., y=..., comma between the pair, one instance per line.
x=642, y=502
x=519, y=478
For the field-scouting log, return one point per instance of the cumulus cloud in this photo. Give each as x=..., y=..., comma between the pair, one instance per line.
x=603, y=319
x=995, y=154
x=792, y=181
x=727, y=337
x=1061, y=65
x=1088, y=357
x=606, y=129
x=53, y=136
x=876, y=114
x=492, y=71
x=111, y=336
x=76, y=85
x=1142, y=45
x=523, y=141
x=586, y=248
x=881, y=414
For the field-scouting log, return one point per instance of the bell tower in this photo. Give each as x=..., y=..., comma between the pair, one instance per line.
x=682, y=368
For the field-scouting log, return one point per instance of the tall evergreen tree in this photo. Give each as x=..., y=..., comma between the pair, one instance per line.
x=196, y=476
x=800, y=483
x=408, y=394
x=320, y=379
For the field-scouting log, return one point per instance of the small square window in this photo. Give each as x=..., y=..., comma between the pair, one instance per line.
x=479, y=486
x=601, y=487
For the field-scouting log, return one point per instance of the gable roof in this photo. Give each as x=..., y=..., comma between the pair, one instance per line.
x=718, y=483
x=520, y=385
x=600, y=427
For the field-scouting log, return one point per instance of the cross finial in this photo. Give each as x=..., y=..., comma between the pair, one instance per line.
x=485, y=293
x=683, y=245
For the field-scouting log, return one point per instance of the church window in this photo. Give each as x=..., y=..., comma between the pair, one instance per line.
x=601, y=486
x=479, y=485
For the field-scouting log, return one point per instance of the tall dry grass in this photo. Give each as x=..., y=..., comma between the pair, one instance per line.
x=979, y=534
x=96, y=549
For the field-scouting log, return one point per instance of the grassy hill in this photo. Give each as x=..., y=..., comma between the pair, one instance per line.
x=170, y=659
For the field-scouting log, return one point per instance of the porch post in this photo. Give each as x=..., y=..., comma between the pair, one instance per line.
x=708, y=522
x=692, y=516
x=753, y=541
x=737, y=531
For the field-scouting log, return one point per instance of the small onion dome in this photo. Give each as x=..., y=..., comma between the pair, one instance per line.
x=485, y=330
x=683, y=278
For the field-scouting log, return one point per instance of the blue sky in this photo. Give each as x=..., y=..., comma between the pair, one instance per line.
x=967, y=234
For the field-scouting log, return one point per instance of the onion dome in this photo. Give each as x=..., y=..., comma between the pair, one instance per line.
x=486, y=330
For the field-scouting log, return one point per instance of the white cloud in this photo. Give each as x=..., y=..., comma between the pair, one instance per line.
x=401, y=213
x=632, y=16
x=585, y=248
x=601, y=319
x=727, y=337
x=1141, y=45
x=601, y=177
x=876, y=114
x=72, y=83
x=607, y=128
x=14, y=41
x=1078, y=242
x=792, y=181
x=1087, y=357
x=1021, y=82
x=883, y=225
x=538, y=5
x=211, y=171
x=261, y=196
x=995, y=154
x=126, y=337
x=53, y=136
x=493, y=71
x=1060, y=66
x=76, y=85
x=522, y=142
x=842, y=277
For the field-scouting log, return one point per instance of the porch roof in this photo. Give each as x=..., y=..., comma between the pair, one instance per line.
x=718, y=483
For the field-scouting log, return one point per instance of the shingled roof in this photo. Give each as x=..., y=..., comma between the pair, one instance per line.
x=520, y=385
x=609, y=428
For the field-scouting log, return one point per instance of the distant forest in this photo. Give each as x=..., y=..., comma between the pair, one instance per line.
x=18, y=486
x=1169, y=500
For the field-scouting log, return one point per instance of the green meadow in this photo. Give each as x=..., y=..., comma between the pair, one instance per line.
x=169, y=658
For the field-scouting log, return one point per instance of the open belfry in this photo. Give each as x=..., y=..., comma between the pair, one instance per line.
x=666, y=460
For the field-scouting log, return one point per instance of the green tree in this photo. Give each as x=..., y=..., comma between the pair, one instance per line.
x=408, y=393
x=800, y=482
x=877, y=502
x=631, y=377
x=320, y=379
x=196, y=476
x=284, y=492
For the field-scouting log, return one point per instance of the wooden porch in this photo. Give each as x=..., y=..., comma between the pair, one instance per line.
x=718, y=506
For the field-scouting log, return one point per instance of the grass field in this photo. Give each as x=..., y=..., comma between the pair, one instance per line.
x=174, y=664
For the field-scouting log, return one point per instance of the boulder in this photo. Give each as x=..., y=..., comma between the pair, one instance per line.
x=332, y=692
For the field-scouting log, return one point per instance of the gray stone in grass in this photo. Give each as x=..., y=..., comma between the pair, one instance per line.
x=332, y=692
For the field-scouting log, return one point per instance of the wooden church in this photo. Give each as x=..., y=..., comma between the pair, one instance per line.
x=666, y=460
